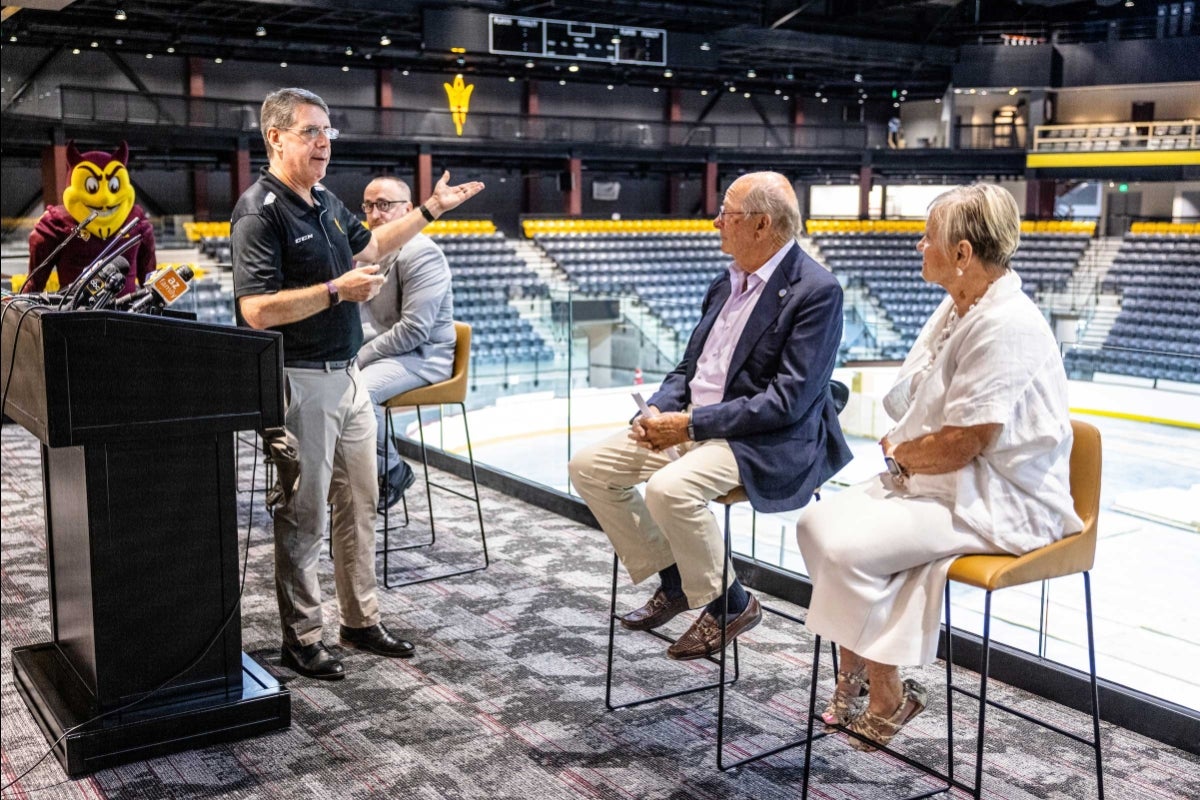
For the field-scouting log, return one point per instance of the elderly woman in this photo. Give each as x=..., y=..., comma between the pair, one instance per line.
x=977, y=463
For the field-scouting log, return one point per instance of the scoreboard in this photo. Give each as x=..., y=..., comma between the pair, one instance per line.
x=577, y=41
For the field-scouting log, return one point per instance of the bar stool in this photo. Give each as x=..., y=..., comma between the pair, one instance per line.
x=1072, y=554
x=452, y=391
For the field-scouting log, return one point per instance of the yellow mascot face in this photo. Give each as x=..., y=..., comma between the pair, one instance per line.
x=99, y=183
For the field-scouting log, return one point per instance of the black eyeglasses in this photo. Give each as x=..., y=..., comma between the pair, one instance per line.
x=311, y=132
x=722, y=213
x=383, y=205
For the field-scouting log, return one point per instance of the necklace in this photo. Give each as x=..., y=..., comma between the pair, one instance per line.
x=951, y=325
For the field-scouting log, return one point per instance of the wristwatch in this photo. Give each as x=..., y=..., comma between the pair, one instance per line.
x=893, y=467
x=691, y=428
x=334, y=297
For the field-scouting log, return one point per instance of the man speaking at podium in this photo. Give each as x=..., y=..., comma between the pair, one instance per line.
x=294, y=247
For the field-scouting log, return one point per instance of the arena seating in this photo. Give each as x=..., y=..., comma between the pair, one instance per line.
x=668, y=269
x=881, y=256
x=487, y=274
x=1156, y=273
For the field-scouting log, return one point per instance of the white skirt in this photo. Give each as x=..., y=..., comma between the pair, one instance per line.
x=878, y=560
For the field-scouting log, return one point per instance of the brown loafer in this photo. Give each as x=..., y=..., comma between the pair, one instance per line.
x=659, y=610
x=703, y=639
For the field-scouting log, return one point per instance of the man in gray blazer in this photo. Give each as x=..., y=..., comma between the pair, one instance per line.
x=408, y=328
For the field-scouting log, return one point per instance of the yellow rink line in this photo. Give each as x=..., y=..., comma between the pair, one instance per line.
x=1103, y=412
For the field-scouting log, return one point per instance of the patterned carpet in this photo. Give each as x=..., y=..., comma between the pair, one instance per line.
x=505, y=698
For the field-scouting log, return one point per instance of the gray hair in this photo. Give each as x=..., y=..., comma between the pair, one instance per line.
x=279, y=109
x=772, y=194
x=404, y=187
x=986, y=216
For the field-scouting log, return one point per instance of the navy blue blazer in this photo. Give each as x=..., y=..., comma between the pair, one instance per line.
x=777, y=413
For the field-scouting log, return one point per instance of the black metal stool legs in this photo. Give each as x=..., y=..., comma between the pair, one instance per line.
x=430, y=484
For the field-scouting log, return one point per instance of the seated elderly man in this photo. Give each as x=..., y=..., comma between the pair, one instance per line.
x=977, y=463
x=749, y=405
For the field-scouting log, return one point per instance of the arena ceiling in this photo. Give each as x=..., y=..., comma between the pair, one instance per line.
x=841, y=47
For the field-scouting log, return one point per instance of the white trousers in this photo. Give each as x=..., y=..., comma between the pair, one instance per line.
x=878, y=560
x=330, y=423
x=673, y=525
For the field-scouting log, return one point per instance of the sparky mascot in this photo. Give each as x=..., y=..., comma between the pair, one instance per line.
x=99, y=183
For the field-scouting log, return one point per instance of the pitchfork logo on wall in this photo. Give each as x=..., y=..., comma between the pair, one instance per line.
x=459, y=94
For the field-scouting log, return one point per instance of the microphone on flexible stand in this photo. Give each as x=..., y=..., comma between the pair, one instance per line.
x=50, y=258
x=102, y=289
x=118, y=246
x=168, y=285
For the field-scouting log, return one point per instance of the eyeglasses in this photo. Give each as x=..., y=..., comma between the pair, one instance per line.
x=722, y=213
x=313, y=131
x=383, y=205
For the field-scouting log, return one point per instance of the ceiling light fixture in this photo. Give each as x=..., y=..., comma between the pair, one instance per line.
x=260, y=31
x=751, y=73
x=528, y=65
x=94, y=44
x=218, y=60
x=404, y=72
x=120, y=15
x=746, y=95
x=283, y=65
x=668, y=74
x=573, y=68
x=349, y=51
x=705, y=46
x=655, y=90
x=704, y=92
x=562, y=83
x=384, y=41
x=170, y=49
x=149, y=55
x=345, y=68
x=75, y=51
x=512, y=79
x=610, y=87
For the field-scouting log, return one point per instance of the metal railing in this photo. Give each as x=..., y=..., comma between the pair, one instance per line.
x=84, y=104
x=1099, y=137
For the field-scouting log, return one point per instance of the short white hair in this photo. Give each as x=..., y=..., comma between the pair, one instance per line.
x=772, y=194
x=986, y=216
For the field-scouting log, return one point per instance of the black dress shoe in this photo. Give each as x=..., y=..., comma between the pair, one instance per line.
x=312, y=661
x=394, y=484
x=378, y=640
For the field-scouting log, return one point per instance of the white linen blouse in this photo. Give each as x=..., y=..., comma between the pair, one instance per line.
x=998, y=364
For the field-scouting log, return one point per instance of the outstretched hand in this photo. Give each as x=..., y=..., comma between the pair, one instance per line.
x=449, y=197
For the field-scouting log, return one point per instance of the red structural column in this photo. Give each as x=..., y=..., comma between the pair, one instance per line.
x=195, y=89
x=239, y=168
x=708, y=188
x=423, y=175
x=530, y=105
x=797, y=120
x=864, y=192
x=385, y=98
x=55, y=176
x=673, y=115
x=573, y=191
x=1039, y=199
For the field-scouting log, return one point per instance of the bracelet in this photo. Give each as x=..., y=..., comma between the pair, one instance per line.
x=427, y=214
x=334, y=297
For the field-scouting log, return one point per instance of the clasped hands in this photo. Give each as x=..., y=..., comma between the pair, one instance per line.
x=658, y=432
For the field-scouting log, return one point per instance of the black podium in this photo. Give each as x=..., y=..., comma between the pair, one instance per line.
x=136, y=416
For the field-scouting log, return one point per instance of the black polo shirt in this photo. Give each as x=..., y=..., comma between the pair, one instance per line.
x=281, y=242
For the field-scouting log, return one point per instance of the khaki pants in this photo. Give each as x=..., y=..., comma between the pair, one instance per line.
x=673, y=525
x=330, y=421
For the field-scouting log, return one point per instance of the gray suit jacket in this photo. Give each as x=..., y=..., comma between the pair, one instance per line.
x=412, y=317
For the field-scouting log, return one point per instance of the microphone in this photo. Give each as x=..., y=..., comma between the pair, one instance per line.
x=106, y=285
x=168, y=285
x=48, y=259
x=118, y=246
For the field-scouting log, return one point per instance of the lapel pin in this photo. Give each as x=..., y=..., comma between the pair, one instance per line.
x=782, y=292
